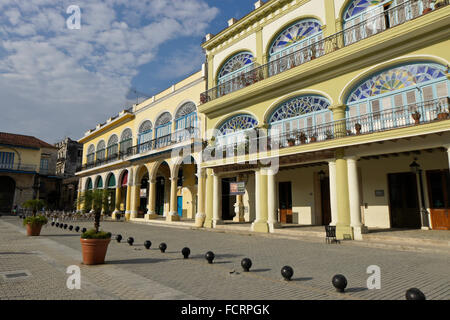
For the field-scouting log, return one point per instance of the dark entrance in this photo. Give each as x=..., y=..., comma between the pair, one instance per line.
x=403, y=200
x=228, y=201
x=439, y=194
x=325, y=200
x=143, y=195
x=285, y=201
x=7, y=188
x=159, y=203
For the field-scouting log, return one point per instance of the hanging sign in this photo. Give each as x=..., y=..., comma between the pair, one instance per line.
x=237, y=188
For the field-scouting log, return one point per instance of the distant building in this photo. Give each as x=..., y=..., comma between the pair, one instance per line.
x=27, y=171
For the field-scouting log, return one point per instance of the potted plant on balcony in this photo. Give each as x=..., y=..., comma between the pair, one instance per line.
x=34, y=223
x=313, y=137
x=358, y=128
x=94, y=243
x=328, y=135
x=302, y=137
x=439, y=4
x=426, y=6
x=443, y=112
x=291, y=142
x=416, y=116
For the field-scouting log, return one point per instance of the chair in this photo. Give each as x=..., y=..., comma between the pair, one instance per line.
x=331, y=234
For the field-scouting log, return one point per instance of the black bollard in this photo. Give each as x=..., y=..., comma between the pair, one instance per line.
x=130, y=241
x=65, y=226
x=57, y=224
x=339, y=282
x=77, y=228
x=246, y=264
x=147, y=244
x=53, y=223
x=209, y=256
x=70, y=227
x=414, y=294
x=287, y=272
x=83, y=230
x=163, y=247
x=186, y=252
x=119, y=238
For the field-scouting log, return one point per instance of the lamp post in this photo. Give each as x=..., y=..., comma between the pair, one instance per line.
x=415, y=168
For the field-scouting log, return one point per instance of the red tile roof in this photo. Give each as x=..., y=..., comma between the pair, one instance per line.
x=23, y=141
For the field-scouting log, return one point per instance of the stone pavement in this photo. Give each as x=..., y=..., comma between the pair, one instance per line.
x=132, y=272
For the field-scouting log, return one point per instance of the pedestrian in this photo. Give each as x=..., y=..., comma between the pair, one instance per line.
x=14, y=210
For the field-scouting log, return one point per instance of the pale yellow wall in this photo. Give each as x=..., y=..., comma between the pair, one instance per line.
x=25, y=156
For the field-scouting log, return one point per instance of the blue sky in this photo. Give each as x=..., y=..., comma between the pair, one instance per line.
x=57, y=82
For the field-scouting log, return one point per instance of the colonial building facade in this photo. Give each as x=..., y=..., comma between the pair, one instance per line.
x=324, y=112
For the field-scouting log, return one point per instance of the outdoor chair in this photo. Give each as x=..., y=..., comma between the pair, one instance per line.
x=331, y=234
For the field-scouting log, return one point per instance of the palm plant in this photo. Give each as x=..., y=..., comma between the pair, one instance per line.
x=35, y=205
x=98, y=199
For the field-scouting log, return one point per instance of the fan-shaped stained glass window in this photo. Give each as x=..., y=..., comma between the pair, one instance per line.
x=101, y=150
x=299, y=106
x=358, y=7
x=126, y=135
x=297, y=32
x=238, y=123
x=163, y=119
x=395, y=79
x=111, y=182
x=185, y=109
x=99, y=183
x=113, y=140
x=235, y=65
x=145, y=135
x=91, y=149
x=186, y=122
x=126, y=140
x=145, y=126
x=101, y=145
x=89, y=184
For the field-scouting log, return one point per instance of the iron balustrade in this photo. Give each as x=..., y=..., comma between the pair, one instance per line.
x=18, y=167
x=378, y=23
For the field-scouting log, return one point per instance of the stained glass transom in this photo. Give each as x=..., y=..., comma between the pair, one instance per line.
x=101, y=145
x=145, y=126
x=91, y=149
x=163, y=119
x=299, y=106
x=295, y=33
x=395, y=79
x=113, y=140
x=359, y=6
x=238, y=123
x=126, y=135
x=235, y=63
x=185, y=109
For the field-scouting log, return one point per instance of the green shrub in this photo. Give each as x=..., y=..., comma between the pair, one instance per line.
x=35, y=220
x=91, y=234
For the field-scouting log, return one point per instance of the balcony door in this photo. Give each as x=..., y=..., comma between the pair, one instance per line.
x=285, y=201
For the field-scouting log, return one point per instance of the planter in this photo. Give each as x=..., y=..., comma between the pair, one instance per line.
x=416, y=116
x=34, y=230
x=94, y=250
x=313, y=139
x=291, y=143
x=443, y=115
x=440, y=5
x=426, y=10
x=358, y=128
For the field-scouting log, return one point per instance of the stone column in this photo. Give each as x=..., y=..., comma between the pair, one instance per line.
x=117, y=203
x=209, y=199
x=333, y=194
x=151, y=214
x=272, y=211
x=136, y=198
x=355, y=199
x=173, y=212
x=340, y=129
x=200, y=215
x=260, y=224
x=80, y=191
x=128, y=202
x=217, y=195
x=239, y=206
x=343, y=228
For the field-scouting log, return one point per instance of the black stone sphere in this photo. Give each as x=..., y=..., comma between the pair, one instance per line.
x=339, y=282
x=61, y=225
x=57, y=224
x=119, y=238
x=287, y=272
x=53, y=223
x=246, y=264
x=130, y=241
x=209, y=256
x=147, y=244
x=65, y=226
x=77, y=228
x=83, y=230
x=70, y=228
x=186, y=252
x=414, y=294
x=163, y=247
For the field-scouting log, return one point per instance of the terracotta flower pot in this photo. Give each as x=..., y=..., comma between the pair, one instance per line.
x=443, y=115
x=94, y=250
x=34, y=230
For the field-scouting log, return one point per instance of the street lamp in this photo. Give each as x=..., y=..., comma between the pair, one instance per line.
x=415, y=168
x=321, y=174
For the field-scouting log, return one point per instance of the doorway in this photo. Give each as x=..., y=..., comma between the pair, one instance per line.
x=159, y=201
x=180, y=206
x=228, y=200
x=439, y=195
x=403, y=200
x=285, y=201
x=7, y=190
x=325, y=200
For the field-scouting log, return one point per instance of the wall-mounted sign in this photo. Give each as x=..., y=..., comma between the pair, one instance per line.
x=237, y=188
x=143, y=193
x=379, y=193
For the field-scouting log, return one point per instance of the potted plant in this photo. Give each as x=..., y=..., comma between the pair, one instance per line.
x=291, y=142
x=329, y=135
x=34, y=223
x=94, y=243
x=358, y=128
x=443, y=113
x=427, y=7
x=302, y=137
x=313, y=137
x=439, y=4
x=416, y=116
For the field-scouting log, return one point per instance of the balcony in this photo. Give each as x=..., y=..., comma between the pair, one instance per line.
x=399, y=117
x=18, y=167
x=376, y=24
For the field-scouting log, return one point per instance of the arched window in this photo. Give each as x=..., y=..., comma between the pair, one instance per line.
x=296, y=37
x=126, y=140
x=111, y=181
x=91, y=154
x=235, y=129
x=113, y=146
x=99, y=183
x=186, y=121
x=163, y=129
x=238, y=64
x=89, y=184
x=308, y=115
x=145, y=136
x=100, y=154
x=390, y=96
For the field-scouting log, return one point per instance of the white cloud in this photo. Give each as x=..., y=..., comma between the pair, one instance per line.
x=55, y=81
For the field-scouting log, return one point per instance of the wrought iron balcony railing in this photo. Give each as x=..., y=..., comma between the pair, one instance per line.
x=18, y=167
x=390, y=18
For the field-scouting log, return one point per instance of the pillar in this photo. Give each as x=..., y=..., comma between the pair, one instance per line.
x=209, y=199
x=354, y=199
x=117, y=203
x=272, y=211
x=260, y=224
x=343, y=228
x=260, y=59
x=217, y=195
x=151, y=214
x=128, y=202
x=200, y=215
x=333, y=193
x=135, y=190
x=340, y=128
x=173, y=212
x=239, y=206
x=330, y=18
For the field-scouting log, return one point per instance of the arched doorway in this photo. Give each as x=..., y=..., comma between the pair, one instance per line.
x=111, y=193
x=163, y=182
x=7, y=190
x=187, y=188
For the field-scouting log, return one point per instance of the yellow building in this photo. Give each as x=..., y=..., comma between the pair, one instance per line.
x=342, y=109
x=316, y=112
